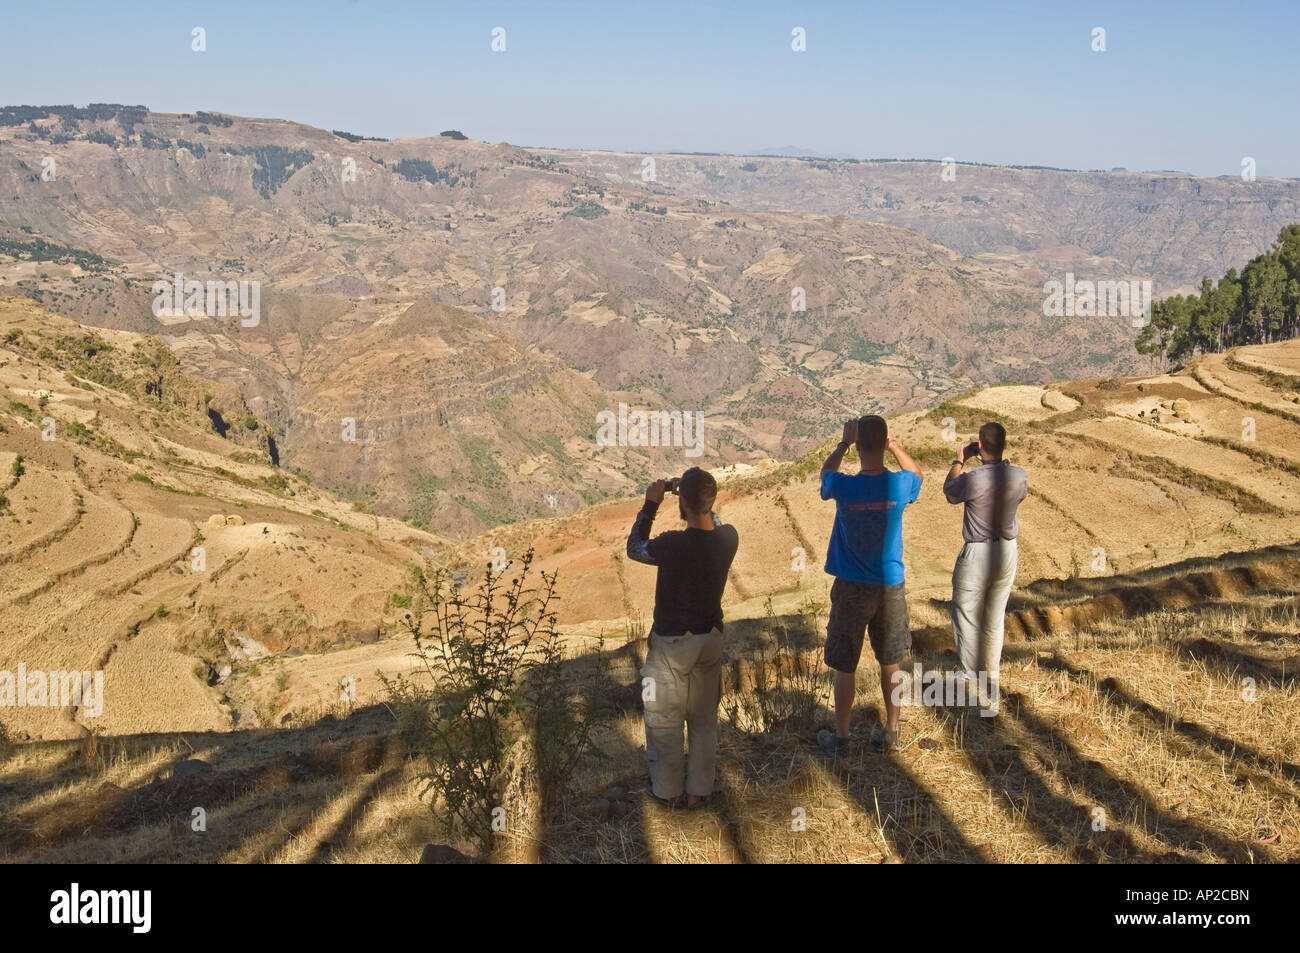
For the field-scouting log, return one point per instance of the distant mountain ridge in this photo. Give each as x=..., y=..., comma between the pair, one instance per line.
x=1169, y=227
x=565, y=283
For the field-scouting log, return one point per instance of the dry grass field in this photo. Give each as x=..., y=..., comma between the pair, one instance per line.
x=1149, y=676
x=1141, y=723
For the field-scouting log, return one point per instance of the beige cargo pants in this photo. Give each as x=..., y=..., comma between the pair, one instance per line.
x=981, y=586
x=681, y=684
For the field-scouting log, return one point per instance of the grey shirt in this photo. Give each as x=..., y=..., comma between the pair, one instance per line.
x=992, y=492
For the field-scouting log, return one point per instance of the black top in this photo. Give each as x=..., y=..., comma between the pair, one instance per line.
x=693, y=565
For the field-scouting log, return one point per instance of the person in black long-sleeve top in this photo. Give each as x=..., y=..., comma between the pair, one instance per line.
x=682, y=675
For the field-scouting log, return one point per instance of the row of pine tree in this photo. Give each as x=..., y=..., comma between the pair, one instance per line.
x=1260, y=305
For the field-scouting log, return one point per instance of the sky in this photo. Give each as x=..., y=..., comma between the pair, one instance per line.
x=1188, y=86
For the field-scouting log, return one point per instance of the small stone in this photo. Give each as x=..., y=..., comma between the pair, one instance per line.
x=597, y=809
x=628, y=697
x=613, y=793
x=189, y=768
x=443, y=854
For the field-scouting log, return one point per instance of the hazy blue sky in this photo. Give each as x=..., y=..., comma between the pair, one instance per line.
x=1192, y=86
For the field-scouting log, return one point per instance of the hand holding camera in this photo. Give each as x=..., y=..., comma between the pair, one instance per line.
x=655, y=491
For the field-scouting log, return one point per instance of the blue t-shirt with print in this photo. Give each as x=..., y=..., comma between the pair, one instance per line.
x=867, y=539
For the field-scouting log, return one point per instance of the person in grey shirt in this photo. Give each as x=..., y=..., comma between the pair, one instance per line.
x=986, y=566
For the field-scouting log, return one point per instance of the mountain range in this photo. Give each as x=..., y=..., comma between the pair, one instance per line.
x=442, y=321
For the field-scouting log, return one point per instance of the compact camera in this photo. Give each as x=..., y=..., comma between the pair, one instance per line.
x=672, y=484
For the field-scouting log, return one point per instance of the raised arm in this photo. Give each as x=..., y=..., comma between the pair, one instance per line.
x=951, y=489
x=954, y=485
x=850, y=437
x=904, y=460
x=638, y=540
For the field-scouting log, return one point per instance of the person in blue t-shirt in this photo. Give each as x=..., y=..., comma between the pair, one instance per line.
x=866, y=558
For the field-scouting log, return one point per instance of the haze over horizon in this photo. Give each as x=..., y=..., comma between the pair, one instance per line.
x=1018, y=86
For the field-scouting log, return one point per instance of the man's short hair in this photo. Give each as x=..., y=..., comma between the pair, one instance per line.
x=873, y=432
x=993, y=437
x=698, y=490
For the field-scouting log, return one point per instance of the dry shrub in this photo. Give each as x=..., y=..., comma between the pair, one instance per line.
x=488, y=708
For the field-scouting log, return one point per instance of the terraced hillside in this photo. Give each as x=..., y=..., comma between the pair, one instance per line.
x=1153, y=640
x=138, y=541
x=559, y=295
x=1126, y=476
x=1125, y=740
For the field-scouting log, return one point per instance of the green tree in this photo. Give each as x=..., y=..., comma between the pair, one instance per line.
x=1260, y=305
